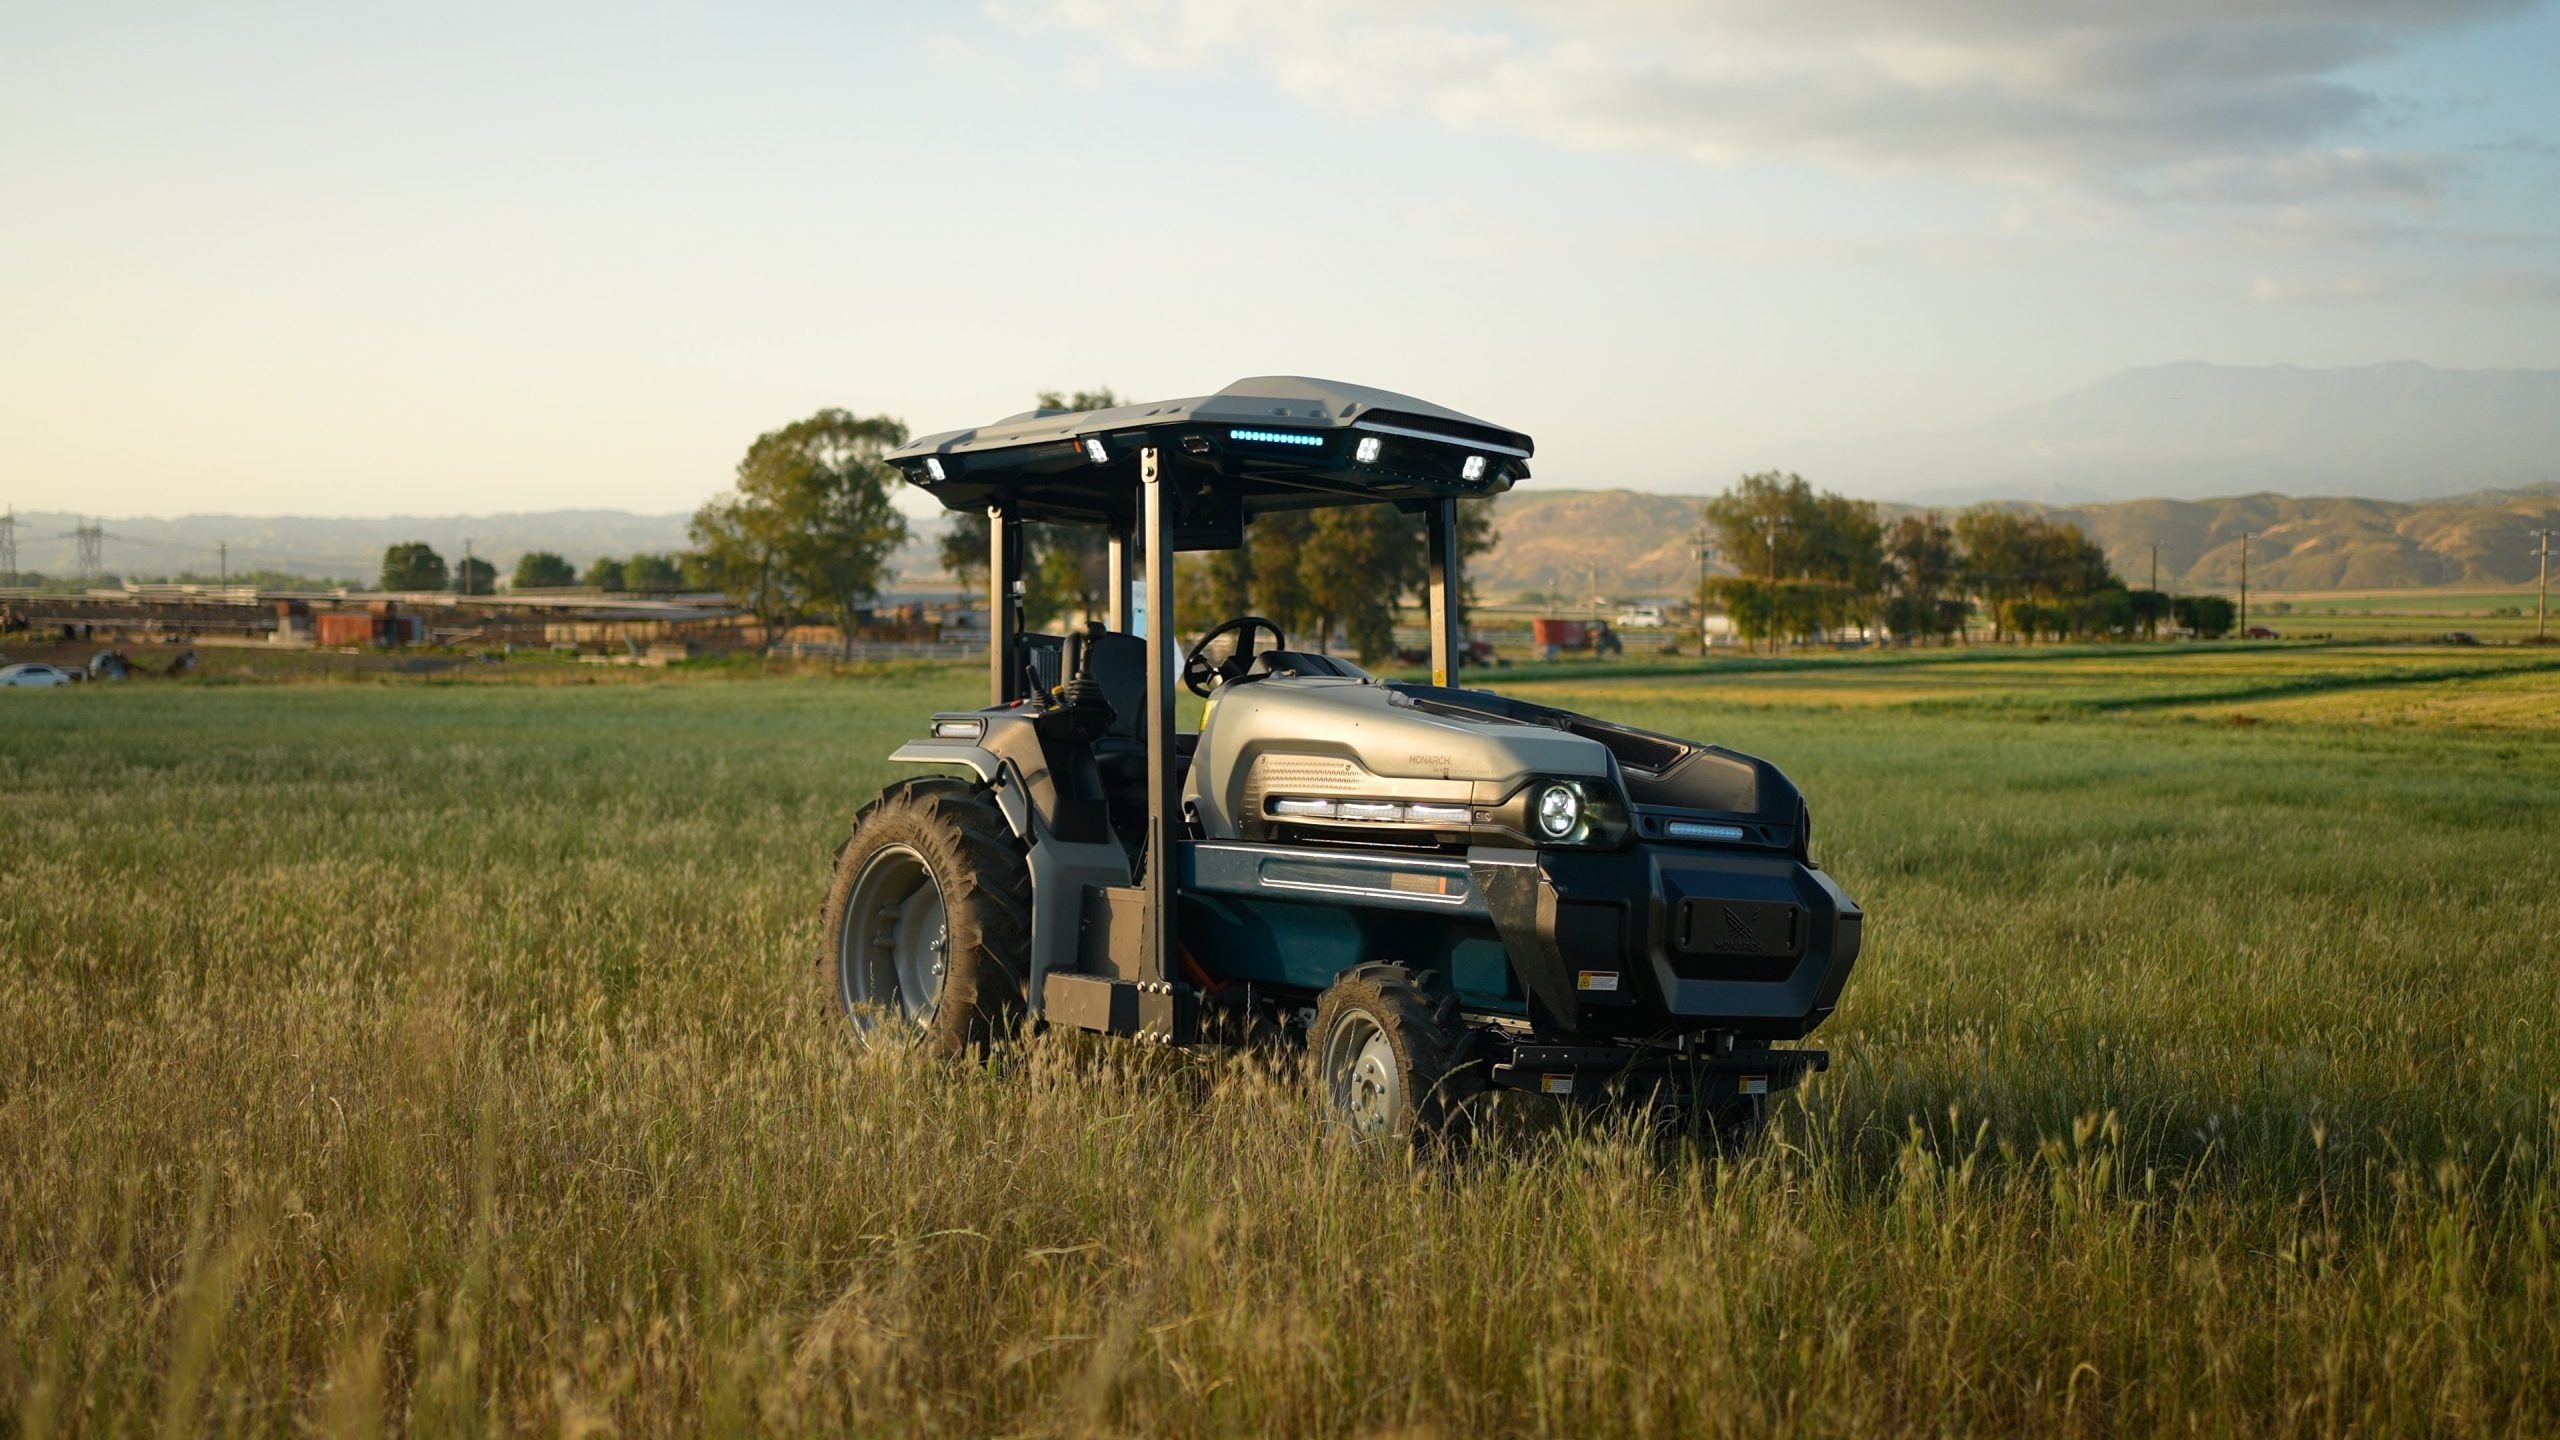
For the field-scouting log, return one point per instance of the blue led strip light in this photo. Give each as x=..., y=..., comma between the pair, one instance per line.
x=1275, y=437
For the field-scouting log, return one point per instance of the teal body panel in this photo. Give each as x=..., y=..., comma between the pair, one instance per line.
x=1285, y=916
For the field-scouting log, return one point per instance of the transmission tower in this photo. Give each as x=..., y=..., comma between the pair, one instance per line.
x=91, y=538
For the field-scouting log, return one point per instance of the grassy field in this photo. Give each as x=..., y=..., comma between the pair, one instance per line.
x=445, y=1058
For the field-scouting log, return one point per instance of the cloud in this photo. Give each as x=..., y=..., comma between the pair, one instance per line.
x=2218, y=101
x=2331, y=290
x=2350, y=174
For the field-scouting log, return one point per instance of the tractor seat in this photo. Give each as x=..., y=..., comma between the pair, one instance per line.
x=1118, y=663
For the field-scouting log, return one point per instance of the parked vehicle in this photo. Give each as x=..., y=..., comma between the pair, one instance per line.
x=1436, y=891
x=32, y=676
x=1643, y=617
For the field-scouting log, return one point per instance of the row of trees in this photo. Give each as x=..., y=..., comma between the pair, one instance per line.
x=640, y=574
x=415, y=565
x=1814, y=563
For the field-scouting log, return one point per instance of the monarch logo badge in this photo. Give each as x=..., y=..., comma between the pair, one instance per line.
x=1596, y=980
x=1738, y=927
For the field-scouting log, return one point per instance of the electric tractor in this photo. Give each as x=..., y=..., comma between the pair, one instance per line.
x=1439, y=891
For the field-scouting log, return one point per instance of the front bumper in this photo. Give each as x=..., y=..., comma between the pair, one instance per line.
x=1662, y=938
x=1617, y=1072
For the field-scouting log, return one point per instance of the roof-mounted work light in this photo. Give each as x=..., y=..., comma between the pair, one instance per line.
x=1096, y=451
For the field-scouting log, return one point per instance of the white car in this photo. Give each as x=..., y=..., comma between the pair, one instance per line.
x=1643, y=617
x=33, y=675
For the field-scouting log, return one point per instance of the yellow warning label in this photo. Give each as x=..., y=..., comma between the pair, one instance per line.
x=1556, y=1084
x=1755, y=1084
x=1597, y=980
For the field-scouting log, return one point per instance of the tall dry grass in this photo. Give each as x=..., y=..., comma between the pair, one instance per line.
x=444, y=1060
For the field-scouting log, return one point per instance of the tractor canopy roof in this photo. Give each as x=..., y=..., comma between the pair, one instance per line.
x=1275, y=442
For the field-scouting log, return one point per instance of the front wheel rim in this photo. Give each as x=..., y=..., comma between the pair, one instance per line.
x=893, y=948
x=1363, y=1082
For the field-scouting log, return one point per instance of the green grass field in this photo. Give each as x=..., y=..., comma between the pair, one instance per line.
x=446, y=1058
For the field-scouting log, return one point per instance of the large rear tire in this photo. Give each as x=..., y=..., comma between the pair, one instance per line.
x=1384, y=1058
x=927, y=930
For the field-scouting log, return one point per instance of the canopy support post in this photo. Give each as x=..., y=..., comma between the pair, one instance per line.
x=1443, y=592
x=1119, y=582
x=1160, y=964
x=1004, y=600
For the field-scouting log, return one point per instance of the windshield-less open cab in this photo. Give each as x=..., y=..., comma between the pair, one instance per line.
x=1438, y=889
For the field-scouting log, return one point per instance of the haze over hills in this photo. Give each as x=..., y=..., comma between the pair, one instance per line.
x=2460, y=464
x=1638, y=544
x=2399, y=431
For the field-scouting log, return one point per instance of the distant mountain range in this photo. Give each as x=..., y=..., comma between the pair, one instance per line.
x=1630, y=543
x=342, y=548
x=2401, y=431
x=2461, y=464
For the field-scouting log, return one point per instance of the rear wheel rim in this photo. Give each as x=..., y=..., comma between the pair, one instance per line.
x=894, y=944
x=1363, y=1082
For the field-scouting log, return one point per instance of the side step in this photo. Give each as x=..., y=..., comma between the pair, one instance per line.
x=1157, y=1010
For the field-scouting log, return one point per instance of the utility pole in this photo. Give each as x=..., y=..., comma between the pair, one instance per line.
x=2155, y=567
x=2542, y=588
x=1704, y=550
x=9, y=545
x=2244, y=584
x=463, y=575
x=1769, y=531
x=223, y=549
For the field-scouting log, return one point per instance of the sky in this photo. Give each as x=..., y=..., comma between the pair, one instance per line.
x=363, y=259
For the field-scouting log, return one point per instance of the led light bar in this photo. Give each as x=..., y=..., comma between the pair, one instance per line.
x=1701, y=830
x=957, y=729
x=1095, y=451
x=1276, y=437
x=933, y=467
x=1368, y=812
x=1410, y=433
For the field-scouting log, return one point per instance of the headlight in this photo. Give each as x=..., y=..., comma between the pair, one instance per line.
x=1559, y=811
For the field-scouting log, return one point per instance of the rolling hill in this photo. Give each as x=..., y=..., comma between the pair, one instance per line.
x=1633, y=543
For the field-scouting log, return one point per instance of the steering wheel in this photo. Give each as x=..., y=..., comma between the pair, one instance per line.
x=1198, y=673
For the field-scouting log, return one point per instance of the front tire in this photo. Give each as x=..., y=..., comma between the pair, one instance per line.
x=1384, y=1057
x=927, y=928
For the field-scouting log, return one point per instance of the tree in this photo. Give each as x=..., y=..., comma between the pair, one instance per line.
x=1828, y=548
x=2011, y=557
x=2207, y=617
x=2150, y=607
x=1923, y=568
x=604, y=574
x=475, y=576
x=810, y=526
x=651, y=574
x=543, y=570
x=413, y=566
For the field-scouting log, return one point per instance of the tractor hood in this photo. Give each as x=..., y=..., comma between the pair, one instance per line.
x=1325, y=737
